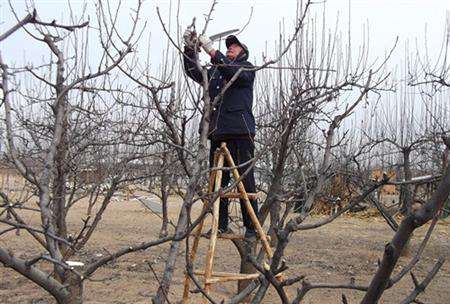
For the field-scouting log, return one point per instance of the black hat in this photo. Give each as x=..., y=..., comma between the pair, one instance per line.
x=231, y=39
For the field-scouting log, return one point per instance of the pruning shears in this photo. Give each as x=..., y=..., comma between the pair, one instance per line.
x=213, y=38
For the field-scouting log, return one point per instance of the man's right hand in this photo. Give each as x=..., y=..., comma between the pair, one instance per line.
x=206, y=43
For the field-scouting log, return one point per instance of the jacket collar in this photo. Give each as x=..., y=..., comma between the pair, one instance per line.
x=242, y=56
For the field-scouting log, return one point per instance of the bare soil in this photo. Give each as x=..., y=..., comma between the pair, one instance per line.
x=347, y=248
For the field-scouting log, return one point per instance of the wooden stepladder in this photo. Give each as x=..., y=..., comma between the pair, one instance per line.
x=215, y=181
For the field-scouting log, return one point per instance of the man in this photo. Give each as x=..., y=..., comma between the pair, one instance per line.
x=231, y=119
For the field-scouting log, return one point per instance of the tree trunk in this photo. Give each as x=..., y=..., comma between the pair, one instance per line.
x=165, y=189
x=163, y=290
x=245, y=248
x=165, y=192
x=59, y=188
x=75, y=288
x=274, y=211
x=60, y=166
x=271, y=204
x=405, y=189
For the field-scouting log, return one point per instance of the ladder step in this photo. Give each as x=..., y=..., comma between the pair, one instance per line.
x=251, y=196
x=228, y=236
x=217, y=277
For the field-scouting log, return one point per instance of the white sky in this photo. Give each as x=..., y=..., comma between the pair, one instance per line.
x=386, y=19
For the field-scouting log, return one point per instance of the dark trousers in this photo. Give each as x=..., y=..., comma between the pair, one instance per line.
x=241, y=150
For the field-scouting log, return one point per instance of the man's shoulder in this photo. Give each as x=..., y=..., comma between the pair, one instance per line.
x=242, y=62
x=247, y=63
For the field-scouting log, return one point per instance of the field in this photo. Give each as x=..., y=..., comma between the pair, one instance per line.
x=346, y=248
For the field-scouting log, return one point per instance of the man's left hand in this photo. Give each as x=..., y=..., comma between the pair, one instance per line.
x=189, y=38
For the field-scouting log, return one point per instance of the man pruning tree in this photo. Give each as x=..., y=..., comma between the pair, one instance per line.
x=231, y=119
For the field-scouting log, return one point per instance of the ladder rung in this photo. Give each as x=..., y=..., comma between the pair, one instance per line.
x=228, y=236
x=217, y=277
x=251, y=196
x=231, y=278
x=221, y=273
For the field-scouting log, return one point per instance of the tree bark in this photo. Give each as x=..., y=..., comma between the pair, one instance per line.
x=55, y=288
x=75, y=288
x=271, y=204
x=165, y=192
x=245, y=248
x=405, y=190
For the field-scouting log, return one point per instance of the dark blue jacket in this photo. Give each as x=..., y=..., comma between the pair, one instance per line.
x=232, y=116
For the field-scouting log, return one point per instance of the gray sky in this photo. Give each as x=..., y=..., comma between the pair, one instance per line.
x=385, y=20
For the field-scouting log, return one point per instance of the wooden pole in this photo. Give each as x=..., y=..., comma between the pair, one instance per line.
x=214, y=225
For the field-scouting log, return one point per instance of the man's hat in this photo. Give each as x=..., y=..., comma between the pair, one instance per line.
x=231, y=39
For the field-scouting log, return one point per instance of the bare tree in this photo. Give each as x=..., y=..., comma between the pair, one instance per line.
x=70, y=136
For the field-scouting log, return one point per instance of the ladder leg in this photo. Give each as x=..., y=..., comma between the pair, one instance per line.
x=248, y=206
x=192, y=254
x=214, y=228
x=197, y=233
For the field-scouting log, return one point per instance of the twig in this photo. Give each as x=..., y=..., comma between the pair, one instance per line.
x=419, y=288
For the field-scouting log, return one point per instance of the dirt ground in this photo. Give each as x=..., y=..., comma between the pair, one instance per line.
x=347, y=248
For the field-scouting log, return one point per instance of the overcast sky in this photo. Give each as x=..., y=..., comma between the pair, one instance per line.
x=408, y=19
